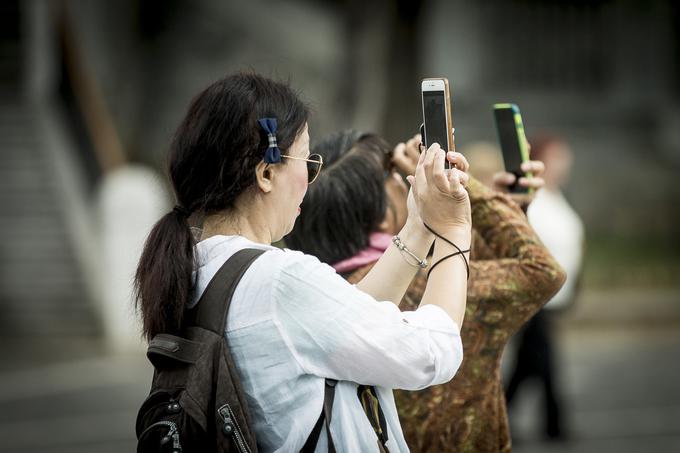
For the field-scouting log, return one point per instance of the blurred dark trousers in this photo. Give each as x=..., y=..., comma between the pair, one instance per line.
x=535, y=359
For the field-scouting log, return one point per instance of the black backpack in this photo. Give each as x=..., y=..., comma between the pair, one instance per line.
x=196, y=403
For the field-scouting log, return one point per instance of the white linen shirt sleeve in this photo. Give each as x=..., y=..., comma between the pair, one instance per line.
x=336, y=331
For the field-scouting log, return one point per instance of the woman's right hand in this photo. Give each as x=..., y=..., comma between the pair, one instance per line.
x=443, y=203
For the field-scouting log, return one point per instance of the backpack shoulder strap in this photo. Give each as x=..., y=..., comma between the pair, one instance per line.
x=212, y=308
x=326, y=412
x=211, y=313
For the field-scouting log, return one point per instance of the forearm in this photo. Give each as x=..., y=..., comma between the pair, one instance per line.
x=520, y=267
x=501, y=225
x=392, y=274
x=447, y=283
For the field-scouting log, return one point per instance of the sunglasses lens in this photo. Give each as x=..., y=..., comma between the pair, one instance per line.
x=313, y=167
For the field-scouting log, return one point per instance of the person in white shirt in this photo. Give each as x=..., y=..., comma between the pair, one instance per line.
x=240, y=163
x=554, y=220
x=562, y=232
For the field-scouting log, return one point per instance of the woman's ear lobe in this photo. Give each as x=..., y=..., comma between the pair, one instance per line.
x=264, y=175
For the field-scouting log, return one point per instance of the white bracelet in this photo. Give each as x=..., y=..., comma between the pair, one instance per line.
x=403, y=249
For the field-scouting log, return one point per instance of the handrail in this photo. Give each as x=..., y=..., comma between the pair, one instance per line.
x=108, y=148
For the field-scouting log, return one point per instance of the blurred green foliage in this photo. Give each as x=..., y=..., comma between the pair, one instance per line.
x=614, y=261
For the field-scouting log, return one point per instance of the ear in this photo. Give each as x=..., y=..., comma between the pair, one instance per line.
x=264, y=173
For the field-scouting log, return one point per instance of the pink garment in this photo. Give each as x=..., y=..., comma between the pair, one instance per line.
x=377, y=244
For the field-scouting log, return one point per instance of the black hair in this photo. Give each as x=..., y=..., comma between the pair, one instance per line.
x=347, y=202
x=211, y=163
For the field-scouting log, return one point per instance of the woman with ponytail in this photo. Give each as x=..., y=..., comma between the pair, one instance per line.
x=239, y=166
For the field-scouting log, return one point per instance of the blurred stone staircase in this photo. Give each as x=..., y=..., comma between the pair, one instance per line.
x=41, y=288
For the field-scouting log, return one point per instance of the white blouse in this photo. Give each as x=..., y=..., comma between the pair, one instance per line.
x=293, y=322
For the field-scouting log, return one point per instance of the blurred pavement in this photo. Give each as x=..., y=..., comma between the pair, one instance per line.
x=621, y=389
x=621, y=382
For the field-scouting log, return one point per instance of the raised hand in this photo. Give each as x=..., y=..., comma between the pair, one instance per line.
x=439, y=193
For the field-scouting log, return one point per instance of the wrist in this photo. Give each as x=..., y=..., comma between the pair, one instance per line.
x=457, y=230
x=462, y=240
x=416, y=235
x=457, y=243
x=461, y=235
x=415, y=228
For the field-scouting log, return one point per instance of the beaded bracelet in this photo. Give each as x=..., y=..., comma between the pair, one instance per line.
x=403, y=249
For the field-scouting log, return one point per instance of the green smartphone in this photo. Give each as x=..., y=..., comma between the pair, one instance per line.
x=514, y=145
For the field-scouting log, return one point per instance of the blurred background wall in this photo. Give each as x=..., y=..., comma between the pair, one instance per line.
x=92, y=90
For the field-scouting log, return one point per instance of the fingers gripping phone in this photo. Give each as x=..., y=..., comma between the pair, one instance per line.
x=514, y=145
x=437, y=114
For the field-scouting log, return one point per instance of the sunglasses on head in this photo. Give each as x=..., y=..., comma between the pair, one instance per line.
x=314, y=164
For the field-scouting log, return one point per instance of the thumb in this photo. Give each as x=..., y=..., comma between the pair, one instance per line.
x=412, y=181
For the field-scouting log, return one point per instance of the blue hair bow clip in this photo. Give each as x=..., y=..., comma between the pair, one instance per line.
x=273, y=153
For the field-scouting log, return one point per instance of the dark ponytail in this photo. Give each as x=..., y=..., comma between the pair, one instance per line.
x=163, y=278
x=211, y=164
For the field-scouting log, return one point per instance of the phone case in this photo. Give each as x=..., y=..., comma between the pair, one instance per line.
x=449, y=117
x=521, y=136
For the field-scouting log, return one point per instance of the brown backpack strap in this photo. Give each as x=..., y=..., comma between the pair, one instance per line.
x=326, y=413
x=212, y=308
x=368, y=397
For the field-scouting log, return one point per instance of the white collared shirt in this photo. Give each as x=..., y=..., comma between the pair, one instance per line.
x=294, y=322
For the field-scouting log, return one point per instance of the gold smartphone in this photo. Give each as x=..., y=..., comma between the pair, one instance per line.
x=437, y=118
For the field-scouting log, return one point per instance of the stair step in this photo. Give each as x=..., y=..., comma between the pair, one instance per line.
x=42, y=291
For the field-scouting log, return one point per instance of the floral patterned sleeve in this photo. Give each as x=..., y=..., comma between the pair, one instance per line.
x=514, y=275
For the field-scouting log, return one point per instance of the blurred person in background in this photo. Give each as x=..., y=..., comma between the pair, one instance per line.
x=561, y=230
x=488, y=164
x=240, y=161
x=348, y=219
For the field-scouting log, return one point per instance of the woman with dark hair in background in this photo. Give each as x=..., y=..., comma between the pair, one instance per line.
x=240, y=162
x=511, y=276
